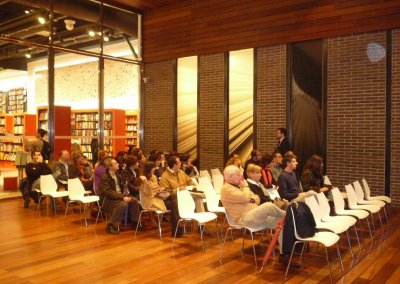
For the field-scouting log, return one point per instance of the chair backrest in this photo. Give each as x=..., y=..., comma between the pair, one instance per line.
x=358, y=190
x=327, y=181
x=294, y=226
x=337, y=199
x=47, y=184
x=215, y=171
x=194, y=180
x=323, y=205
x=231, y=222
x=75, y=188
x=218, y=181
x=211, y=198
x=366, y=188
x=315, y=209
x=205, y=182
x=351, y=195
x=205, y=173
x=186, y=203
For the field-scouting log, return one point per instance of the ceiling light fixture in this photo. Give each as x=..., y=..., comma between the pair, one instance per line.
x=106, y=38
x=28, y=55
x=27, y=11
x=41, y=20
x=91, y=33
x=69, y=24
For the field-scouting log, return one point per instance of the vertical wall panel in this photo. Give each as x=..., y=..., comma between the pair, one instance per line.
x=395, y=163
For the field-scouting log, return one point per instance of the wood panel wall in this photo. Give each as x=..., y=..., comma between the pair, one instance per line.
x=204, y=27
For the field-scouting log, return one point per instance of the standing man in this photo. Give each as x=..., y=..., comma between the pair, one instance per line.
x=283, y=143
x=289, y=186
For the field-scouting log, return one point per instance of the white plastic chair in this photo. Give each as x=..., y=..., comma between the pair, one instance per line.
x=335, y=227
x=194, y=180
x=76, y=193
x=328, y=239
x=48, y=187
x=213, y=203
x=361, y=200
x=205, y=173
x=186, y=208
x=341, y=211
x=353, y=204
x=215, y=172
x=244, y=229
x=368, y=196
x=158, y=212
x=327, y=180
x=325, y=211
x=218, y=182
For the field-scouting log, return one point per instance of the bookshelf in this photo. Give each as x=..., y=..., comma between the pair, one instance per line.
x=3, y=102
x=131, y=129
x=62, y=126
x=17, y=100
x=85, y=126
x=16, y=127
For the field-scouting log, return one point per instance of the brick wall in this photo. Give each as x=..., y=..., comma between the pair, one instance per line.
x=211, y=111
x=356, y=111
x=158, y=106
x=271, y=95
x=395, y=163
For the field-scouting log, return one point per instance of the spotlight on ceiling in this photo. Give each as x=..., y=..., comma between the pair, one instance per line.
x=41, y=20
x=69, y=24
x=28, y=55
x=106, y=38
x=91, y=33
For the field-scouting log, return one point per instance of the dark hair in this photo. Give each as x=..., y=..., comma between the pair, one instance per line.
x=107, y=162
x=265, y=160
x=274, y=154
x=254, y=153
x=152, y=157
x=41, y=132
x=283, y=131
x=184, y=157
x=287, y=160
x=148, y=166
x=34, y=151
x=135, y=151
x=314, y=163
x=130, y=160
x=104, y=160
x=102, y=154
x=172, y=161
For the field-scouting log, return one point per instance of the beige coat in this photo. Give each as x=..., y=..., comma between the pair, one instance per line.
x=236, y=200
x=148, y=191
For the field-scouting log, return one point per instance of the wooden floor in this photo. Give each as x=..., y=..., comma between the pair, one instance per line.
x=40, y=248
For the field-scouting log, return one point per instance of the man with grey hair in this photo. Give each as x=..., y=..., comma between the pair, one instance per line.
x=243, y=205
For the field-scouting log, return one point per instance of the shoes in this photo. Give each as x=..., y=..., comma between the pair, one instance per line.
x=284, y=259
x=110, y=230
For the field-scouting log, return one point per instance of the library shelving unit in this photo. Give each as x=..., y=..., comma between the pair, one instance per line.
x=85, y=126
x=17, y=100
x=3, y=102
x=15, y=128
x=62, y=127
x=131, y=129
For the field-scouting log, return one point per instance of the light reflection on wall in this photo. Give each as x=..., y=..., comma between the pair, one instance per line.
x=187, y=105
x=241, y=82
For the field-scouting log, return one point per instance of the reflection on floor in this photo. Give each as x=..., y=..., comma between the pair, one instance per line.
x=7, y=169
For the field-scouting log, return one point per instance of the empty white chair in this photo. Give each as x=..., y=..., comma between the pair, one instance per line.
x=368, y=196
x=215, y=171
x=205, y=173
x=186, y=208
x=218, y=182
x=328, y=239
x=194, y=180
x=76, y=193
x=325, y=214
x=234, y=226
x=352, y=201
x=48, y=187
x=337, y=227
x=361, y=200
x=327, y=181
x=158, y=212
x=213, y=202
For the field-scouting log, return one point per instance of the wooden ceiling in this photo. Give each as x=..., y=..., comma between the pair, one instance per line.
x=142, y=5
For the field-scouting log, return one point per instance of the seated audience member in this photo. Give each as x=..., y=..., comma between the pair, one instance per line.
x=289, y=186
x=115, y=198
x=86, y=173
x=33, y=172
x=236, y=161
x=174, y=178
x=130, y=175
x=64, y=169
x=100, y=156
x=135, y=151
x=120, y=158
x=276, y=166
x=94, y=149
x=266, y=178
x=142, y=160
x=187, y=166
x=266, y=194
x=159, y=159
x=312, y=177
x=98, y=172
x=255, y=158
x=242, y=204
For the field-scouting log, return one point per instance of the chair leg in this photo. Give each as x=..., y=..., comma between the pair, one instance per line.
x=159, y=218
x=223, y=243
x=216, y=227
x=291, y=256
x=380, y=219
x=98, y=212
x=139, y=222
x=66, y=209
x=201, y=236
x=329, y=264
x=54, y=205
x=358, y=240
x=84, y=213
x=386, y=216
x=254, y=249
x=348, y=240
x=244, y=232
x=340, y=257
x=369, y=228
x=302, y=251
x=176, y=231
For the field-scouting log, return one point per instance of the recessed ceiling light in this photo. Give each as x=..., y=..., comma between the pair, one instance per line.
x=41, y=20
x=91, y=33
x=27, y=55
x=27, y=11
x=106, y=38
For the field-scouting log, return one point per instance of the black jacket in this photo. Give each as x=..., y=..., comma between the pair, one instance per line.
x=258, y=190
